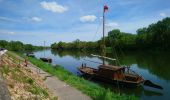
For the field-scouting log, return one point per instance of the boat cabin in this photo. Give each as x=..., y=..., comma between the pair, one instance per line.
x=112, y=72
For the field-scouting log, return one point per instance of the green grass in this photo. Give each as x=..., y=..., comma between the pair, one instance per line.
x=38, y=91
x=93, y=90
x=19, y=76
x=5, y=69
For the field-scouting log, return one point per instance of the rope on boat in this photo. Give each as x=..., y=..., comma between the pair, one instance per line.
x=97, y=30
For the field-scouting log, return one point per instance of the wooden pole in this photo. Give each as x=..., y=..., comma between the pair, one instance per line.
x=103, y=49
x=44, y=48
x=103, y=57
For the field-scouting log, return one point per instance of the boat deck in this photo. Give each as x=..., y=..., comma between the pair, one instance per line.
x=88, y=70
x=110, y=67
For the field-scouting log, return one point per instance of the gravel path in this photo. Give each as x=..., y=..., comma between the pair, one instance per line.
x=4, y=93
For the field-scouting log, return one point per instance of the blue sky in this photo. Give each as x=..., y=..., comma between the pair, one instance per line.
x=35, y=21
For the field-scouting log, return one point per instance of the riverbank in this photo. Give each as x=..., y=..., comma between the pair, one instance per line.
x=21, y=82
x=93, y=90
x=59, y=88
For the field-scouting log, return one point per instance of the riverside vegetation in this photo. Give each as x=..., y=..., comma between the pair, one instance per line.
x=154, y=37
x=18, y=46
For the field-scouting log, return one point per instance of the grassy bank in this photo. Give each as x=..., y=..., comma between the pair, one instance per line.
x=22, y=83
x=95, y=91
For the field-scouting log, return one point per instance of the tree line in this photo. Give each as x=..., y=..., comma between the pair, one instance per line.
x=154, y=37
x=18, y=46
x=77, y=44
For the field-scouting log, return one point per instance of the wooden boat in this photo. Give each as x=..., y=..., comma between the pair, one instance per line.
x=49, y=60
x=30, y=54
x=114, y=74
x=46, y=59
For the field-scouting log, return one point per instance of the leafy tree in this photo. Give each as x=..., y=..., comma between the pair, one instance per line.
x=17, y=46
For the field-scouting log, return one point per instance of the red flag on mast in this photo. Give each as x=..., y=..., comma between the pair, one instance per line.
x=106, y=8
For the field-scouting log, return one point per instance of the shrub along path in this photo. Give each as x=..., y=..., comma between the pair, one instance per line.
x=59, y=88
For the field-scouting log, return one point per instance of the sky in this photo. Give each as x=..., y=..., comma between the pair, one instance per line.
x=35, y=21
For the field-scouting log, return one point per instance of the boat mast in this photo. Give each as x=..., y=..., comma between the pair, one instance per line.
x=44, y=48
x=103, y=26
x=103, y=50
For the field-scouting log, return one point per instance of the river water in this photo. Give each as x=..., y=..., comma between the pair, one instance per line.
x=152, y=66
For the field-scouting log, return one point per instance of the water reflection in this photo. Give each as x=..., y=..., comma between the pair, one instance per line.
x=156, y=63
x=152, y=66
x=75, y=54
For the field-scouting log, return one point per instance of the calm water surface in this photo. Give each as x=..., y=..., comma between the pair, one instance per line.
x=154, y=67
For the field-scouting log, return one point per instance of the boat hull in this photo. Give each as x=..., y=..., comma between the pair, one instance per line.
x=30, y=55
x=49, y=60
x=111, y=81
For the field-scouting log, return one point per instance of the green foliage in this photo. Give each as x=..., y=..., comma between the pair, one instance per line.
x=38, y=91
x=17, y=46
x=121, y=39
x=75, y=45
x=156, y=36
x=5, y=69
x=30, y=81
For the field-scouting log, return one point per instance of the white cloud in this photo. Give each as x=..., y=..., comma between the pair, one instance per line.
x=127, y=2
x=163, y=14
x=88, y=18
x=31, y=19
x=53, y=6
x=36, y=19
x=112, y=24
x=11, y=33
x=8, y=19
x=7, y=32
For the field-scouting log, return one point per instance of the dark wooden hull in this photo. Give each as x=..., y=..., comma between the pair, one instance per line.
x=30, y=55
x=49, y=60
x=111, y=81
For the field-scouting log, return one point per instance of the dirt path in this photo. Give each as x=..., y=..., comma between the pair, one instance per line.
x=59, y=88
x=4, y=93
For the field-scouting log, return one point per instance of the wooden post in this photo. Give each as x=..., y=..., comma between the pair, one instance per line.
x=103, y=50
